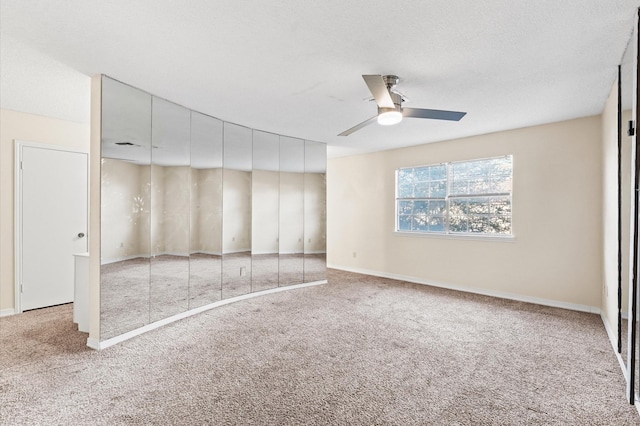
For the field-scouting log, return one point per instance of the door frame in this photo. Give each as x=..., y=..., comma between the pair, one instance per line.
x=17, y=208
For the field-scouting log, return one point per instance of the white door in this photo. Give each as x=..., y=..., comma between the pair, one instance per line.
x=53, y=223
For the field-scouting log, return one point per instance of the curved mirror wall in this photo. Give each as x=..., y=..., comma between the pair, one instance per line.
x=195, y=210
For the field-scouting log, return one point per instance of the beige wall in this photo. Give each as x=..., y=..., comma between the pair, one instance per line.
x=556, y=254
x=32, y=128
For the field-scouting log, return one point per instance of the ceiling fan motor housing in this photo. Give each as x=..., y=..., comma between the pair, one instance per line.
x=397, y=101
x=391, y=81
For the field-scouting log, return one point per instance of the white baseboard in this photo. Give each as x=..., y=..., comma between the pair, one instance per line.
x=99, y=345
x=613, y=338
x=7, y=312
x=493, y=293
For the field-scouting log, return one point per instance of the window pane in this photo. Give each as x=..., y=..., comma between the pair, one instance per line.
x=420, y=207
x=458, y=207
x=438, y=188
x=479, y=186
x=500, y=206
x=478, y=205
x=436, y=224
x=500, y=183
x=405, y=207
x=437, y=207
x=478, y=223
x=500, y=224
x=459, y=171
x=404, y=223
x=405, y=176
x=451, y=197
x=421, y=174
x=457, y=223
x=421, y=190
x=405, y=191
x=420, y=223
x=438, y=172
x=459, y=187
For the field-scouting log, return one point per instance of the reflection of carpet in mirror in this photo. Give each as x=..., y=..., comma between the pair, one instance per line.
x=139, y=291
x=624, y=346
x=124, y=296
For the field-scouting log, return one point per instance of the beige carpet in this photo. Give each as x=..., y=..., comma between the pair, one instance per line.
x=359, y=351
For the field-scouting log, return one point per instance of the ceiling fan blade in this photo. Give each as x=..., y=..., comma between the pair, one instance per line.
x=435, y=114
x=379, y=90
x=359, y=126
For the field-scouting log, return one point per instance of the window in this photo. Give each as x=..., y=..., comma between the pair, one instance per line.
x=465, y=197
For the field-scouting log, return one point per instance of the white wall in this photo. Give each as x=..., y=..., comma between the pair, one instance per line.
x=33, y=128
x=556, y=254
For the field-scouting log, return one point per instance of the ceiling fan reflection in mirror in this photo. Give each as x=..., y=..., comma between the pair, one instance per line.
x=390, y=110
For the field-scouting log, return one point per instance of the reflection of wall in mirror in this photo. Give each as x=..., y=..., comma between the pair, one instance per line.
x=265, y=220
x=157, y=206
x=236, y=202
x=626, y=208
x=125, y=210
x=176, y=210
x=206, y=211
x=315, y=200
x=291, y=212
x=170, y=210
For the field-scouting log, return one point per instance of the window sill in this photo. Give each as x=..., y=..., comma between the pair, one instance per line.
x=472, y=237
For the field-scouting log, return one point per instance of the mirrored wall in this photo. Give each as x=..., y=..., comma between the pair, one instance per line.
x=627, y=78
x=195, y=210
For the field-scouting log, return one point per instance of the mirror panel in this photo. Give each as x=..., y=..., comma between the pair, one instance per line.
x=170, y=205
x=265, y=224
x=627, y=95
x=125, y=208
x=205, y=255
x=236, y=210
x=315, y=204
x=291, y=211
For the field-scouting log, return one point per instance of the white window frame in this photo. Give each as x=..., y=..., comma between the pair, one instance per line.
x=446, y=232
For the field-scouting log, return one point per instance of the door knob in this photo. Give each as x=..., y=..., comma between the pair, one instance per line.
x=81, y=235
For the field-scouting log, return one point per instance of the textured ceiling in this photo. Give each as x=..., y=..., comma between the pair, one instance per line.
x=294, y=68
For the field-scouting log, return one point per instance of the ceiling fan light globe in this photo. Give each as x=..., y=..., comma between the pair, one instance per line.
x=388, y=118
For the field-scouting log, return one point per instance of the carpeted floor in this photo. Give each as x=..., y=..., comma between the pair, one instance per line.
x=360, y=351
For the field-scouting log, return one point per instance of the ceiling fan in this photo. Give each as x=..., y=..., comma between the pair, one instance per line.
x=390, y=110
